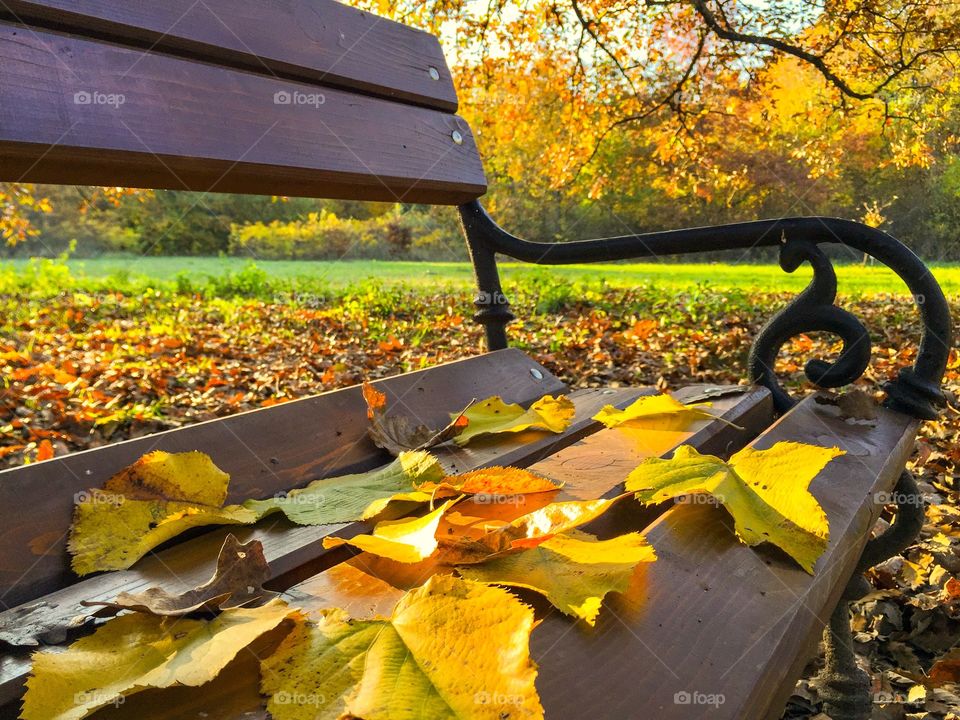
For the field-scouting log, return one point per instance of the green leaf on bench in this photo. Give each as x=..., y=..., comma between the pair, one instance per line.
x=655, y=412
x=452, y=650
x=138, y=651
x=493, y=415
x=764, y=490
x=574, y=571
x=346, y=498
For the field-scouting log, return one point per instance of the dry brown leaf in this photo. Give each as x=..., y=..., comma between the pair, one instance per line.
x=398, y=433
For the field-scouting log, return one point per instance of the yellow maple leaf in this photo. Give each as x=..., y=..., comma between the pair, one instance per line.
x=408, y=541
x=764, y=490
x=655, y=412
x=453, y=650
x=574, y=571
x=138, y=651
x=492, y=416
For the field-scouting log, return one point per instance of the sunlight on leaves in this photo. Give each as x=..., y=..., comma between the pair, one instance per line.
x=492, y=416
x=453, y=650
x=655, y=412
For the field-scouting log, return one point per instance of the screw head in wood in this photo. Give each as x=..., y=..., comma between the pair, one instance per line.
x=434, y=73
x=457, y=137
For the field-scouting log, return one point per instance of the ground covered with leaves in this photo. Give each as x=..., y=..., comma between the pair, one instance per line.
x=85, y=367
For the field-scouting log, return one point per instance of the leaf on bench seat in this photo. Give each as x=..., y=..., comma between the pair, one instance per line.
x=655, y=412
x=493, y=416
x=408, y=541
x=453, y=650
x=237, y=582
x=398, y=433
x=155, y=499
x=574, y=571
x=138, y=651
x=764, y=490
x=527, y=531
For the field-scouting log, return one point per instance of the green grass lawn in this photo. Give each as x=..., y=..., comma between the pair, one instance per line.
x=853, y=278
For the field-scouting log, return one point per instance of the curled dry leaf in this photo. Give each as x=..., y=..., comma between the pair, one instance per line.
x=764, y=490
x=453, y=650
x=574, y=570
x=397, y=433
x=237, y=582
x=655, y=412
x=408, y=541
x=138, y=651
x=492, y=416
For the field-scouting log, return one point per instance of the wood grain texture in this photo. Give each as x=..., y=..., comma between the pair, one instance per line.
x=77, y=111
x=264, y=451
x=315, y=41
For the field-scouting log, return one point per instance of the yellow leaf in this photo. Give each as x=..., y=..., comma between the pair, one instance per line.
x=764, y=490
x=574, y=571
x=153, y=500
x=453, y=650
x=138, y=651
x=655, y=412
x=408, y=541
x=493, y=416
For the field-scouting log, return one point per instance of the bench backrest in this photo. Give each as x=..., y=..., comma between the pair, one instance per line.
x=312, y=98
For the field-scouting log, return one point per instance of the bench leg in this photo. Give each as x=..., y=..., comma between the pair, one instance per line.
x=844, y=686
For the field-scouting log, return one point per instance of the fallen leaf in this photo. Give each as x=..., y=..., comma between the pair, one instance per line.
x=153, y=500
x=494, y=481
x=138, y=651
x=655, y=412
x=492, y=416
x=574, y=571
x=237, y=582
x=346, y=498
x=946, y=669
x=854, y=404
x=764, y=490
x=408, y=541
x=398, y=433
x=527, y=531
x=453, y=650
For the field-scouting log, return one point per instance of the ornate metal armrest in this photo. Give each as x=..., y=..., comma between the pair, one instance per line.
x=916, y=391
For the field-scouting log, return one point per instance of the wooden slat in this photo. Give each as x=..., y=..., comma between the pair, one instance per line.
x=186, y=125
x=264, y=451
x=317, y=41
x=233, y=694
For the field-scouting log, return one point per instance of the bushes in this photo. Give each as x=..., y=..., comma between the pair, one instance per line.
x=397, y=234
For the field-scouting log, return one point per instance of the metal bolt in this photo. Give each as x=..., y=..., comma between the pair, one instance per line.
x=457, y=137
x=434, y=73
x=536, y=373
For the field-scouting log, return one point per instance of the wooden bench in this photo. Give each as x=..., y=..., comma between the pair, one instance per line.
x=313, y=98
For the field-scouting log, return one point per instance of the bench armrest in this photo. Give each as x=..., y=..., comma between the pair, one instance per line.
x=916, y=391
